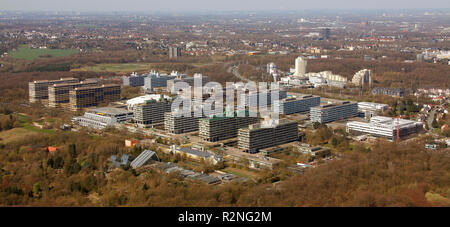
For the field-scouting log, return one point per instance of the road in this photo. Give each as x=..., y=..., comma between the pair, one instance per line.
x=431, y=118
x=235, y=71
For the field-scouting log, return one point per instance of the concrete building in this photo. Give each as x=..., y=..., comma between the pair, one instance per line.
x=215, y=128
x=385, y=127
x=388, y=91
x=38, y=89
x=252, y=98
x=362, y=78
x=188, y=80
x=174, y=52
x=333, y=112
x=134, y=80
x=267, y=134
x=297, y=105
x=84, y=97
x=143, y=158
x=58, y=94
x=101, y=118
x=180, y=124
x=142, y=99
x=370, y=109
x=196, y=154
x=300, y=67
x=156, y=80
x=151, y=111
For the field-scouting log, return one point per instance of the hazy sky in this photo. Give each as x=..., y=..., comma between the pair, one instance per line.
x=202, y=5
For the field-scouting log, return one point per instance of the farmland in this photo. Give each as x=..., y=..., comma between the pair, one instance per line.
x=28, y=53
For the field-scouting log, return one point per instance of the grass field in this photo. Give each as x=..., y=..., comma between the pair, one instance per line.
x=116, y=68
x=28, y=53
x=16, y=134
x=125, y=68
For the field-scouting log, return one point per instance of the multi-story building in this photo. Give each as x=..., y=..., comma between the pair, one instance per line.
x=253, y=98
x=333, y=112
x=215, y=128
x=388, y=91
x=297, y=105
x=300, y=67
x=156, y=80
x=151, y=111
x=267, y=134
x=385, y=127
x=58, y=94
x=134, y=80
x=84, y=97
x=38, y=89
x=188, y=80
x=362, y=78
x=100, y=118
x=180, y=124
x=174, y=52
x=370, y=109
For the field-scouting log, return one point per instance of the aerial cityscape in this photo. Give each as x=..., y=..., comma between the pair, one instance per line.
x=255, y=108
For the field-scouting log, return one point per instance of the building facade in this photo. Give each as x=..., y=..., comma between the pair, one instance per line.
x=333, y=112
x=38, y=89
x=151, y=112
x=101, y=118
x=58, y=94
x=297, y=105
x=85, y=97
x=267, y=134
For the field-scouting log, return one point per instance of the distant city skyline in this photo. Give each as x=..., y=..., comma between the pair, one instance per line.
x=205, y=5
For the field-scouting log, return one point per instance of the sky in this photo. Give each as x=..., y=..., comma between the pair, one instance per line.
x=215, y=5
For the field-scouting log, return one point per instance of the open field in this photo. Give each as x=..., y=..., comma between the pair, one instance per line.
x=28, y=53
x=241, y=172
x=125, y=68
x=16, y=134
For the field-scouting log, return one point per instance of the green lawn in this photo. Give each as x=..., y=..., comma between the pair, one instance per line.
x=26, y=124
x=28, y=53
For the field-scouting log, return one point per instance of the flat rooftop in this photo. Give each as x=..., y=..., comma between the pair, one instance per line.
x=334, y=104
x=109, y=111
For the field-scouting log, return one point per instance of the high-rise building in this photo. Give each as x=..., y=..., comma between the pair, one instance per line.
x=151, y=112
x=38, y=89
x=267, y=134
x=188, y=80
x=174, y=52
x=362, y=78
x=84, y=97
x=297, y=105
x=156, y=80
x=333, y=112
x=58, y=94
x=180, y=124
x=300, y=66
x=215, y=128
x=134, y=80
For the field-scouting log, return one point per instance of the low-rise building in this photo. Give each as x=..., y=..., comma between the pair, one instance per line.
x=197, y=154
x=101, y=118
x=388, y=91
x=385, y=127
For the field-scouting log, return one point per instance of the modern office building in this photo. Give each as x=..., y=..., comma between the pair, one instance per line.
x=267, y=134
x=134, y=80
x=174, y=52
x=215, y=128
x=58, y=94
x=84, y=97
x=188, y=80
x=252, y=99
x=385, y=127
x=297, y=105
x=101, y=118
x=388, y=91
x=333, y=112
x=156, y=80
x=151, y=111
x=180, y=124
x=370, y=109
x=38, y=89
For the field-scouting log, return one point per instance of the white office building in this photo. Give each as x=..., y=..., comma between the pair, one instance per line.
x=100, y=118
x=385, y=127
